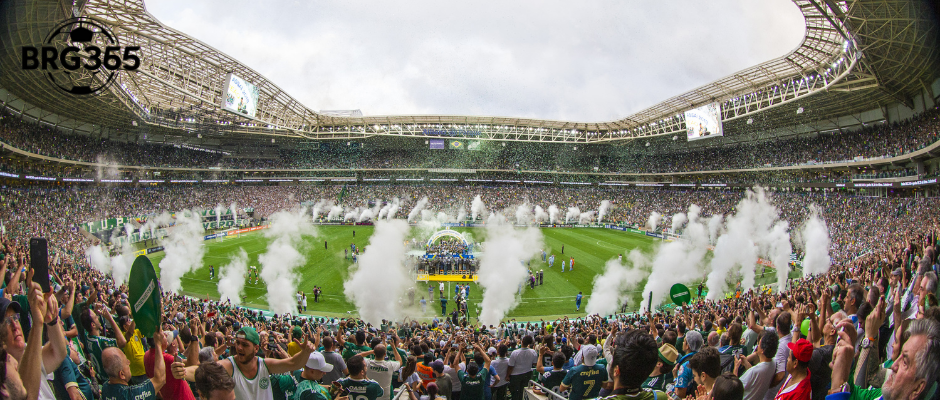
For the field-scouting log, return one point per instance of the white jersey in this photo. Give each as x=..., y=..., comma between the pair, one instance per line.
x=257, y=388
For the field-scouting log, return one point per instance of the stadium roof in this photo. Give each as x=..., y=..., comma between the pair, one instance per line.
x=855, y=56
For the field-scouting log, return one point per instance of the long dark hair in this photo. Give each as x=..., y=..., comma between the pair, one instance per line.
x=411, y=365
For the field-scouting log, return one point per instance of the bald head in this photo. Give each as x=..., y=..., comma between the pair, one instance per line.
x=379, y=351
x=713, y=339
x=115, y=362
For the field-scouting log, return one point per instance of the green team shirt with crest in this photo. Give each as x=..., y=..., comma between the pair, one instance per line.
x=473, y=387
x=585, y=381
x=96, y=345
x=141, y=391
x=311, y=390
x=350, y=349
x=285, y=385
x=365, y=389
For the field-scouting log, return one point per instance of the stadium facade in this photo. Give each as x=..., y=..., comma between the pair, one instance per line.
x=860, y=64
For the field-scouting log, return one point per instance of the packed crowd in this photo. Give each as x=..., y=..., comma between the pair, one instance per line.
x=869, y=328
x=638, y=156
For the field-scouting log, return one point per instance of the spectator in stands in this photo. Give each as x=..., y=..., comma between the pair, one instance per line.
x=118, y=368
x=213, y=383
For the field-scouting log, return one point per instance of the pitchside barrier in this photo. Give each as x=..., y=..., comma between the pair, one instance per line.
x=548, y=394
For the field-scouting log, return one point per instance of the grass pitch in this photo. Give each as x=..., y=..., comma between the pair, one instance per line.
x=328, y=268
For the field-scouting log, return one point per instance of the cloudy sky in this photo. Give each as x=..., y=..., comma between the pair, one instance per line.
x=568, y=60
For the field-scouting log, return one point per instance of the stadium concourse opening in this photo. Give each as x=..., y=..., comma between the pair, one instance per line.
x=447, y=257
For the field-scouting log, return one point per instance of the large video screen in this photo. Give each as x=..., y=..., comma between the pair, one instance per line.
x=240, y=96
x=703, y=122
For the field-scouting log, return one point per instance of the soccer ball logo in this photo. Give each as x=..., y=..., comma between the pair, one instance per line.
x=90, y=38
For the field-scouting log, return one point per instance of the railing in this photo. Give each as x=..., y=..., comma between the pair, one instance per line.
x=548, y=392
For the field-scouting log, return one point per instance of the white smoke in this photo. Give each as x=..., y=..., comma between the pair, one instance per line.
x=814, y=238
x=367, y=215
x=287, y=230
x=540, y=215
x=573, y=214
x=753, y=231
x=714, y=227
x=321, y=206
x=602, y=210
x=586, y=217
x=553, y=213
x=393, y=209
x=336, y=212
x=524, y=214
x=477, y=208
x=428, y=216
x=677, y=221
x=234, y=208
x=677, y=261
x=162, y=220
x=232, y=277
x=351, y=214
x=502, y=267
x=184, y=249
x=122, y=262
x=653, y=222
x=461, y=214
x=382, y=276
x=610, y=288
x=219, y=209
x=98, y=259
x=416, y=210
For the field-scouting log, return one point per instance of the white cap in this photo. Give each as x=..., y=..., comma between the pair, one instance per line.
x=589, y=354
x=317, y=362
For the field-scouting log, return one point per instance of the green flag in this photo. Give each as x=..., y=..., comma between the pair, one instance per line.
x=680, y=294
x=144, y=295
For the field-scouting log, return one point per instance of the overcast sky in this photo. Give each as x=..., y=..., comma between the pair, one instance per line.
x=567, y=60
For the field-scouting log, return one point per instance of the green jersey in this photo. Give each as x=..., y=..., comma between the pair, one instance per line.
x=285, y=385
x=365, y=389
x=585, y=381
x=657, y=382
x=552, y=379
x=473, y=387
x=141, y=391
x=350, y=349
x=311, y=390
x=96, y=345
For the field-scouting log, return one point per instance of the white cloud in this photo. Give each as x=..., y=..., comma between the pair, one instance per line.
x=581, y=61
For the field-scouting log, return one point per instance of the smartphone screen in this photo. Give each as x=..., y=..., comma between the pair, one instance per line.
x=39, y=262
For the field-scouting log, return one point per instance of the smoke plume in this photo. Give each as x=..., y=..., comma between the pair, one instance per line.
x=336, y=212
x=184, y=249
x=653, y=222
x=287, y=230
x=814, y=238
x=573, y=214
x=416, y=210
x=753, y=231
x=610, y=288
x=232, y=277
x=602, y=210
x=586, y=217
x=677, y=221
x=540, y=215
x=477, y=208
x=502, y=266
x=677, y=261
x=381, y=278
x=553, y=213
x=524, y=214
